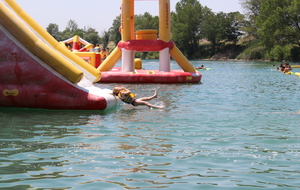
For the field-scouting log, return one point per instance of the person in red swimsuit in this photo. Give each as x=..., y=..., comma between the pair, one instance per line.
x=129, y=98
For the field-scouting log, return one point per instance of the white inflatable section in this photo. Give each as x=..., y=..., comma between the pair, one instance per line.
x=164, y=60
x=127, y=60
x=96, y=89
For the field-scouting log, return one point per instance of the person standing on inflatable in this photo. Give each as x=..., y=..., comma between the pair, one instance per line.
x=107, y=52
x=129, y=98
x=103, y=54
x=97, y=48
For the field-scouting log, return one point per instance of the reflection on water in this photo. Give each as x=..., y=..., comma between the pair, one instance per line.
x=235, y=130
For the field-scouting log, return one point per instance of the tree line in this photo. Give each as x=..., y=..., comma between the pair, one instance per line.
x=268, y=30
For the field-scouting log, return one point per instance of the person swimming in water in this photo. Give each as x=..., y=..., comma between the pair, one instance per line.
x=202, y=67
x=129, y=98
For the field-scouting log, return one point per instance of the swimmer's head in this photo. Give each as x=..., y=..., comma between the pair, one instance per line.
x=116, y=90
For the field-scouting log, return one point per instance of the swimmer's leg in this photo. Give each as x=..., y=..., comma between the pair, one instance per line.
x=138, y=102
x=148, y=98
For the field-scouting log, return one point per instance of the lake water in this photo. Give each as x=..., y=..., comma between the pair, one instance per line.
x=237, y=129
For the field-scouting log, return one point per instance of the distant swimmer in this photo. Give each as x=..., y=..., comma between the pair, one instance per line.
x=202, y=67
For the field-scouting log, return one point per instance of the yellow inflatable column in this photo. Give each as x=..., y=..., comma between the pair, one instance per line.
x=125, y=20
x=75, y=46
x=36, y=46
x=164, y=34
x=46, y=36
x=132, y=35
x=126, y=32
x=111, y=60
x=164, y=20
x=182, y=61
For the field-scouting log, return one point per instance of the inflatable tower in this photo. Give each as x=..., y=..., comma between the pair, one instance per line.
x=146, y=41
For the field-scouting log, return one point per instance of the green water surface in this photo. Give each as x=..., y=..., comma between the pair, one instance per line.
x=237, y=129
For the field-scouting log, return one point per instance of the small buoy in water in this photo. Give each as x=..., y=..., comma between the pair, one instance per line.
x=138, y=63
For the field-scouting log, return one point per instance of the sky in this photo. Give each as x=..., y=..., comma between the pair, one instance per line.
x=99, y=14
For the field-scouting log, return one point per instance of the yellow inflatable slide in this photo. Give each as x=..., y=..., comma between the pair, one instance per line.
x=43, y=45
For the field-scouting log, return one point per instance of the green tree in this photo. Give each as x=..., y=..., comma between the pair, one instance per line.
x=105, y=39
x=72, y=26
x=294, y=28
x=91, y=35
x=66, y=34
x=221, y=27
x=186, y=24
x=279, y=22
x=210, y=28
x=78, y=32
x=53, y=30
x=235, y=22
x=146, y=21
x=252, y=8
x=115, y=34
x=71, y=30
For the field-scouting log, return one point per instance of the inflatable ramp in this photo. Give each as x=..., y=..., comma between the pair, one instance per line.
x=36, y=71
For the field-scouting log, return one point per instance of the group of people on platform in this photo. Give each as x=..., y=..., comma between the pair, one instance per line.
x=104, y=53
x=285, y=68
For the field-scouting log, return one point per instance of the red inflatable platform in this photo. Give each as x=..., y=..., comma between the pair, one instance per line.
x=149, y=76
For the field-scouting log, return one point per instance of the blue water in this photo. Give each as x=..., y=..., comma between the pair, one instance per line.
x=237, y=129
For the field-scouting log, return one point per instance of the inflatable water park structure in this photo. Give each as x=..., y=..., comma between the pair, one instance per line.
x=86, y=52
x=36, y=71
x=147, y=41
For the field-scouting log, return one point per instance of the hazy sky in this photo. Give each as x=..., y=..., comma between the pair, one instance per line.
x=99, y=14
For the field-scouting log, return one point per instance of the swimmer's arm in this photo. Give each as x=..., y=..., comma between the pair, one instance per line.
x=127, y=91
x=124, y=93
x=123, y=88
